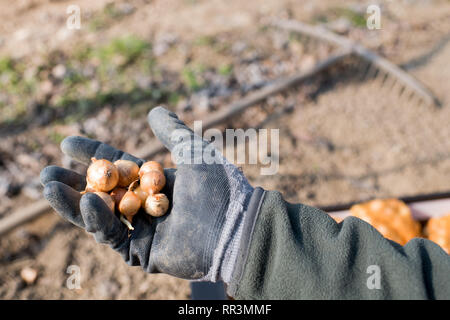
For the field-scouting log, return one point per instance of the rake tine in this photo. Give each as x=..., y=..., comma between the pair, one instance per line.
x=411, y=97
x=395, y=86
x=364, y=73
x=343, y=42
x=372, y=72
x=383, y=79
x=402, y=92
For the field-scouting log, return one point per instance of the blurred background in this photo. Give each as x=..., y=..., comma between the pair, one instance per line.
x=344, y=135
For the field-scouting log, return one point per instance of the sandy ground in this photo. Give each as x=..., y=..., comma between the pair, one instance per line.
x=345, y=139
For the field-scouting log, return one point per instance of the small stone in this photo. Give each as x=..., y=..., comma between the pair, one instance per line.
x=59, y=71
x=341, y=25
x=29, y=275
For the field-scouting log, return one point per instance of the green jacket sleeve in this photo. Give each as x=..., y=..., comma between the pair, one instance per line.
x=299, y=252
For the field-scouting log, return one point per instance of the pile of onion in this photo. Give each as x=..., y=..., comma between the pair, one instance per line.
x=125, y=187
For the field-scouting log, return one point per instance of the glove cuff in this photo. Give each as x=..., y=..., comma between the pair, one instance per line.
x=248, y=225
x=226, y=250
x=232, y=232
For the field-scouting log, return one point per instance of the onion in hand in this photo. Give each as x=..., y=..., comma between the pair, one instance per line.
x=102, y=175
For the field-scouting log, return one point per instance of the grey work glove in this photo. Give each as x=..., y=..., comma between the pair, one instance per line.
x=200, y=236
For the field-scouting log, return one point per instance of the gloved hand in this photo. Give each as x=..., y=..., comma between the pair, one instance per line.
x=199, y=238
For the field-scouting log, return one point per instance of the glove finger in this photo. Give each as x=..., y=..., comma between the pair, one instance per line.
x=102, y=222
x=68, y=177
x=170, y=130
x=187, y=147
x=65, y=201
x=83, y=149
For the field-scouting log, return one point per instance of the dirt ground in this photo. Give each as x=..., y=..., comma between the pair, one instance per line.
x=343, y=136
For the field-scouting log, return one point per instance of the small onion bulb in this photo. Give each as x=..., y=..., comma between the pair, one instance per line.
x=153, y=181
x=128, y=172
x=150, y=166
x=141, y=194
x=129, y=205
x=156, y=205
x=102, y=175
x=117, y=195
